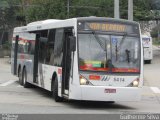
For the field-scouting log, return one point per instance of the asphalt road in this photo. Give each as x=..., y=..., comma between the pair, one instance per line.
x=15, y=99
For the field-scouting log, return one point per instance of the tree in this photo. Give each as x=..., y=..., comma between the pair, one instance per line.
x=48, y=9
x=8, y=15
x=7, y=20
x=34, y=10
x=82, y=8
x=57, y=9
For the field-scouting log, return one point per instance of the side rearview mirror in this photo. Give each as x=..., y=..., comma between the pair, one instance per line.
x=72, y=43
x=43, y=39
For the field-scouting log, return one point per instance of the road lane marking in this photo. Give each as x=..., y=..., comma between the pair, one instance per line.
x=7, y=83
x=155, y=89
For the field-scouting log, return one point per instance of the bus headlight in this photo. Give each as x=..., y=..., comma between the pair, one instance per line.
x=135, y=83
x=83, y=80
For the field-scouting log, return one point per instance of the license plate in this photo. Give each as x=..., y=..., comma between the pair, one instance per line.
x=110, y=91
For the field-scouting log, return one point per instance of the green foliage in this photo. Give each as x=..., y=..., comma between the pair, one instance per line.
x=48, y=9
x=154, y=33
x=142, y=10
x=35, y=10
x=82, y=8
x=57, y=9
x=156, y=41
x=7, y=46
x=3, y=4
x=123, y=9
x=7, y=13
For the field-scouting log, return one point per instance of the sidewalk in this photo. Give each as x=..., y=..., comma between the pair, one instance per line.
x=5, y=70
x=155, y=47
x=4, y=61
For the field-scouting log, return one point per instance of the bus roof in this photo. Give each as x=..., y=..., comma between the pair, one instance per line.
x=93, y=18
x=55, y=23
x=43, y=22
x=46, y=24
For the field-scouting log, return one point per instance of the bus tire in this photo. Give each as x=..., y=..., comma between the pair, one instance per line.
x=111, y=102
x=20, y=76
x=149, y=61
x=55, y=91
x=24, y=79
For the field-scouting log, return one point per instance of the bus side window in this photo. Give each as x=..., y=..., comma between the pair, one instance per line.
x=29, y=47
x=32, y=47
x=43, y=46
x=58, y=49
x=50, y=47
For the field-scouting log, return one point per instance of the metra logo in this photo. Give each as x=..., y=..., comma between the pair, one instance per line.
x=105, y=78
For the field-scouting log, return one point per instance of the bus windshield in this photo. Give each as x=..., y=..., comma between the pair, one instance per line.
x=112, y=53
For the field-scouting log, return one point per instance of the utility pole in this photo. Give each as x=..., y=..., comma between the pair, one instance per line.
x=68, y=8
x=116, y=9
x=130, y=10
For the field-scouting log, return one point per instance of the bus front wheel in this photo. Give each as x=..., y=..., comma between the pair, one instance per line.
x=55, y=91
x=147, y=61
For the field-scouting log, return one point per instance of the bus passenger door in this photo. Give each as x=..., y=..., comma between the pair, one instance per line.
x=35, y=67
x=66, y=65
x=39, y=57
x=14, y=56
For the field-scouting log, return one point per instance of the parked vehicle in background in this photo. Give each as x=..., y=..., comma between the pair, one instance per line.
x=147, y=49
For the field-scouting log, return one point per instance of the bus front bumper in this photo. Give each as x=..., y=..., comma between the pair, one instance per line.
x=103, y=93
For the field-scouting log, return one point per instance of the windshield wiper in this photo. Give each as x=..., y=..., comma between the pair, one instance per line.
x=103, y=46
x=116, y=47
x=123, y=38
x=128, y=55
x=98, y=40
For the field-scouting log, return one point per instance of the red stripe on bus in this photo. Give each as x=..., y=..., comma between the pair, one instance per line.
x=94, y=77
x=22, y=56
x=93, y=68
x=125, y=70
x=24, y=40
x=59, y=71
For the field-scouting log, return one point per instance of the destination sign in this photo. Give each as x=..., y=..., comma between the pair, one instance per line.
x=107, y=27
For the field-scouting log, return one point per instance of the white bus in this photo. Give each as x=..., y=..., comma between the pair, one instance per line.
x=147, y=48
x=86, y=58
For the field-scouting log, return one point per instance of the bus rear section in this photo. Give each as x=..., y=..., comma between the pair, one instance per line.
x=109, y=61
x=147, y=48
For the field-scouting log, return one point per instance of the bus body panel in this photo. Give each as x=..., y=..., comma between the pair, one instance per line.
x=142, y=61
x=103, y=93
x=99, y=92
x=47, y=74
x=27, y=64
x=21, y=61
x=111, y=79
